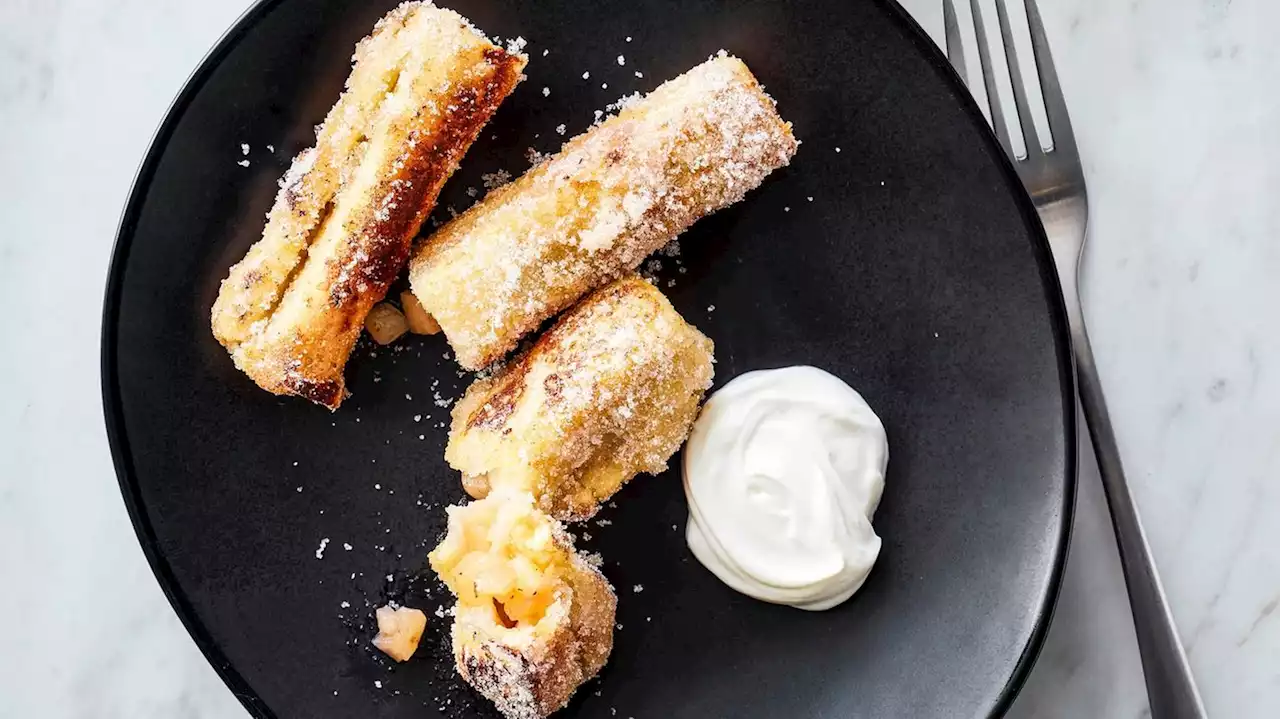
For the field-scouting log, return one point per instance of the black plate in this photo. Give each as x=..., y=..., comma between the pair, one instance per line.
x=898, y=251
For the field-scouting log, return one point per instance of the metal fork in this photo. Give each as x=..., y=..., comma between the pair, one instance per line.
x=1055, y=181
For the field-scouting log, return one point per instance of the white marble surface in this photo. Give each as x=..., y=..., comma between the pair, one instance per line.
x=1176, y=106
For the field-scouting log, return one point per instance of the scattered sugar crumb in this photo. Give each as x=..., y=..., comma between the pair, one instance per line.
x=378, y=487
x=545, y=53
x=604, y=86
x=711, y=308
x=346, y=546
x=244, y=149
x=809, y=198
x=377, y=683
x=320, y=552
x=586, y=75
x=295, y=464
x=492, y=181
x=639, y=74
x=299, y=488
x=560, y=129
x=243, y=163
x=271, y=148
x=517, y=45
x=408, y=396
x=786, y=209
x=472, y=192
x=837, y=149
x=546, y=92
x=417, y=418
x=638, y=588
x=622, y=60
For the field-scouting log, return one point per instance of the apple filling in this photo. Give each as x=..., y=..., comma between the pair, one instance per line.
x=503, y=556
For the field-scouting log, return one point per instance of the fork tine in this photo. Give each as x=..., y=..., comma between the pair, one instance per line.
x=1055, y=104
x=955, y=50
x=989, y=81
x=1031, y=139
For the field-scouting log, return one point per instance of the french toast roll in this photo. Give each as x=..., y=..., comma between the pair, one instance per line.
x=594, y=211
x=611, y=390
x=534, y=618
x=422, y=86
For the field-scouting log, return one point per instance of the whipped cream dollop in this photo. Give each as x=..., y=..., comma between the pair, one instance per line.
x=783, y=472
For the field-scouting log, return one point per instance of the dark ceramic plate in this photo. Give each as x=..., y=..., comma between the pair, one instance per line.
x=898, y=251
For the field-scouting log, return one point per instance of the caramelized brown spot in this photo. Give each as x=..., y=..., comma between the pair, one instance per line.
x=553, y=385
x=501, y=611
x=327, y=393
x=508, y=390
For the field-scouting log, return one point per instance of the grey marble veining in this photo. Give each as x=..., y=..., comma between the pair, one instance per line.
x=1176, y=106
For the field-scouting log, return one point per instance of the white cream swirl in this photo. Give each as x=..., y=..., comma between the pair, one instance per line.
x=783, y=472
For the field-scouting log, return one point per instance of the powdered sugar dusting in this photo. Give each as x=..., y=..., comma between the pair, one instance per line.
x=595, y=210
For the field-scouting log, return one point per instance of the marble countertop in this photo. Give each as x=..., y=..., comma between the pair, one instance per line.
x=1176, y=106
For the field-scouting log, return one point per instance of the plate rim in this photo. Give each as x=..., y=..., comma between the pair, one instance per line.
x=122, y=456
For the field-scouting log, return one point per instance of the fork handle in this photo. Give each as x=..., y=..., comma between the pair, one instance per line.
x=1171, y=689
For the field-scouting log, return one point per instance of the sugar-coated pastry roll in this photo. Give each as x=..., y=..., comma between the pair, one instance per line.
x=594, y=211
x=423, y=85
x=534, y=618
x=611, y=390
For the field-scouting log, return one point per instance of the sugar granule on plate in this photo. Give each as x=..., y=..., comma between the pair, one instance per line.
x=639, y=74
x=377, y=683
x=417, y=418
x=638, y=588
x=244, y=149
x=604, y=86
x=560, y=129
x=320, y=551
x=271, y=148
x=408, y=396
x=546, y=52
x=378, y=487
x=299, y=488
x=492, y=181
x=345, y=604
x=628, y=38
x=243, y=163
x=586, y=75
x=622, y=60
x=546, y=92
x=346, y=546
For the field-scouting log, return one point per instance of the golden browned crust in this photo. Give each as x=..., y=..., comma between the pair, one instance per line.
x=423, y=85
x=594, y=211
x=611, y=390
